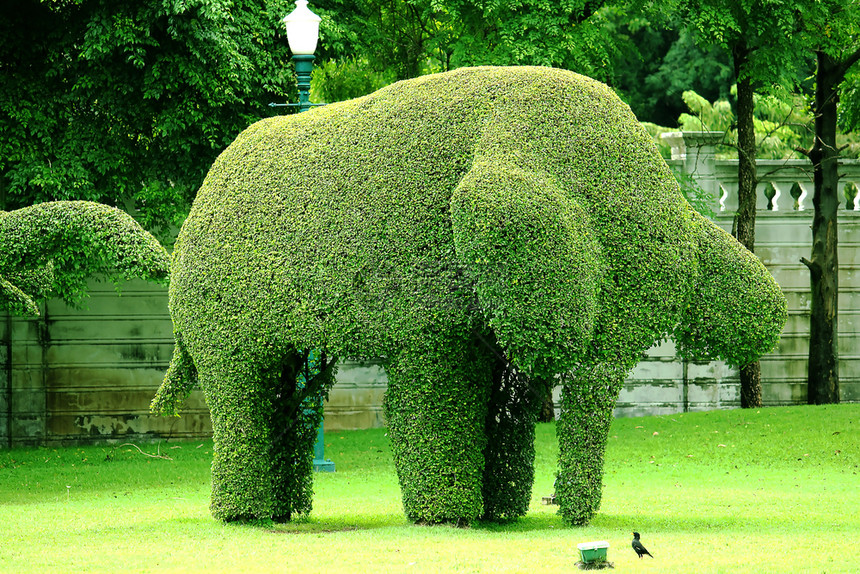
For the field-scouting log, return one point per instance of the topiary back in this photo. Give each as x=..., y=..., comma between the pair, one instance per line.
x=52, y=248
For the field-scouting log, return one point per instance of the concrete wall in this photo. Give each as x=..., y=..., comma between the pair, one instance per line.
x=88, y=375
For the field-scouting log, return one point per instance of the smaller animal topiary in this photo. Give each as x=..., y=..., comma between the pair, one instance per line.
x=50, y=249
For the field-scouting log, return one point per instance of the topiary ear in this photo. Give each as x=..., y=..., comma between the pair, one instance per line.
x=534, y=263
x=737, y=310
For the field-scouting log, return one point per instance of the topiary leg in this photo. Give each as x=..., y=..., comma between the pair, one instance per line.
x=436, y=407
x=587, y=399
x=300, y=390
x=241, y=469
x=509, y=472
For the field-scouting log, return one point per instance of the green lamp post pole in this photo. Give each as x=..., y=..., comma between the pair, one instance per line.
x=304, y=65
x=302, y=34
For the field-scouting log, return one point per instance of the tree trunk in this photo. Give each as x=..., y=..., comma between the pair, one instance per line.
x=750, y=375
x=751, y=385
x=823, y=371
x=547, y=411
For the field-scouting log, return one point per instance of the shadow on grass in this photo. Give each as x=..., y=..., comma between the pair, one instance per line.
x=314, y=525
x=529, y=523
x=628, y=522
x=532, y=522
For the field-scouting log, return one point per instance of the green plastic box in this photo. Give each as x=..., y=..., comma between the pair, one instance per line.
x=593, y=551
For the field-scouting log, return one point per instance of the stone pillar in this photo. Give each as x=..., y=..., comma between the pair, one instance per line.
x=697, y=151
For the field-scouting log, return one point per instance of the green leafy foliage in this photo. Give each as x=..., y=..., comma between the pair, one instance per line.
x=179, y=381
x=15, y=300
x=657, y=58
x=407, y=38
x=849, y=117
x=292, y=449
x=768, y=27
x=51, y=249
x=729, y=316
x=482, y=232
x=781, y=121
x=698, y=198
x=131, y=102
x=338, y=80
x=705, y=116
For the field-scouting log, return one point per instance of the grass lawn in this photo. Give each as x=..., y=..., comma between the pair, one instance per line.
x=768, y=490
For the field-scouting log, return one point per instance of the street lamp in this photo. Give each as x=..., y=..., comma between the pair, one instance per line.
x=303, y=28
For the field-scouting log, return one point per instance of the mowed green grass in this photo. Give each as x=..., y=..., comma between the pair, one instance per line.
x=767, y=490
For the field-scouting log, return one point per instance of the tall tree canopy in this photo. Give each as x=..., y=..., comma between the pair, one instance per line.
x=406, y=38
x=649, y=58
x=657, y=59
x=131, y=101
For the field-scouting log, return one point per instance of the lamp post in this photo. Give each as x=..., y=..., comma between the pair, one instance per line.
x=302, y=33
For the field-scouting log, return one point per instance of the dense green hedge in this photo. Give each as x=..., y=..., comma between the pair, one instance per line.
x=482, y=231
x=50, y=249
x=436, y=408
x=730, y=316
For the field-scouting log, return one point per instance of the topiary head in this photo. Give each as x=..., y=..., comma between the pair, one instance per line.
x=535, y=265
x=737, y=310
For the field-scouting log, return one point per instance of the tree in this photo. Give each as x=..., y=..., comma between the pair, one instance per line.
x=407, y=38
x=782, y=124
x=342, y=79
x=658, y=59
x=127, y=103
x=756, y=33
x=834, y=33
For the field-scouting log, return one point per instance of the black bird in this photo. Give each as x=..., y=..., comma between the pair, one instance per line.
x=637, y=546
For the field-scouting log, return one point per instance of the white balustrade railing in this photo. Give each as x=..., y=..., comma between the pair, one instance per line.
x=783, y=185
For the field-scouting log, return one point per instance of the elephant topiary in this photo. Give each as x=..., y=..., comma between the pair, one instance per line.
x=487, y=233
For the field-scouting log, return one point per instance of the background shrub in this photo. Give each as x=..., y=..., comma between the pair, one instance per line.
x=51, y=249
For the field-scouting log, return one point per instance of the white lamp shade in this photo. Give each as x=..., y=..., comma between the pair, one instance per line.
x=303, y=28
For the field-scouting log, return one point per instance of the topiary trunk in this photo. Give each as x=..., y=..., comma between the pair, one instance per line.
x=515, y=404
x=587, y=399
